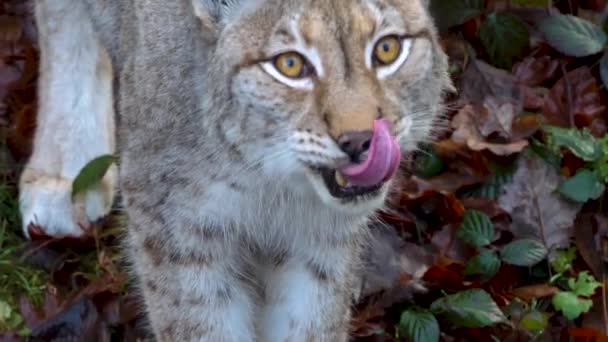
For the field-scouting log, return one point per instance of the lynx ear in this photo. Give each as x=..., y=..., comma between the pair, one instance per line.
x=214, y=14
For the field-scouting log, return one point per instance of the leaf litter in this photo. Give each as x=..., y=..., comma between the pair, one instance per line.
x=421, y=280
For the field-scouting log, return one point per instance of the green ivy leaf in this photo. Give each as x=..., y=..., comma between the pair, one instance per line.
x=486, y=263
x=535, y=321
x=91, y=174
x=471, y=308
x=570, y=304
x=580, y=141
x=476, y=229
x=572, y=35
x=504, y=36
x=419, y=326
x=582, y=187
x=523, y=252
x=584, y=285
x=604, y=69
x=564, y=259
x=449, y=13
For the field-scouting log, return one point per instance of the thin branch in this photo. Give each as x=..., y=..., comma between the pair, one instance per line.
x=569, y=99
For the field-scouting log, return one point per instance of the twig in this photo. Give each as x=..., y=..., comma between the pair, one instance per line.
x=568, y=87
x=604, y=304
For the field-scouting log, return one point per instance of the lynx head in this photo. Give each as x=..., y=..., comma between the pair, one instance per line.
x=324, y=95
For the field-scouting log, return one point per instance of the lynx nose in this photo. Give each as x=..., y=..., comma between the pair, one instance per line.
x=355, y=144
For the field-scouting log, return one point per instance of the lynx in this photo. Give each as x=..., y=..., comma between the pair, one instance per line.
x=257, y=138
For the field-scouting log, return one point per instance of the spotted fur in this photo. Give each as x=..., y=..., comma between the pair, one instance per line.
x=233, y=236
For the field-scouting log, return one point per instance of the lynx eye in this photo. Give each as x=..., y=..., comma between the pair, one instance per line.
x=387, y=54
x=387, y=50
x=292, y=69
x=291, y=64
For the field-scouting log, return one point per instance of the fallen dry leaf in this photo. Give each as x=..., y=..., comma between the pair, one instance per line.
x=388, y=258
x=587, y=334
x=496, y=118
x=575, y=98
x=481, y=80
x=536, y=209
x=590, y=233
x=533, y=71
x=467, y=130
x=448, y=245
x=530, y=292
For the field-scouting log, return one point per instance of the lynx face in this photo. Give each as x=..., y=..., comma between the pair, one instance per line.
x=329, y=94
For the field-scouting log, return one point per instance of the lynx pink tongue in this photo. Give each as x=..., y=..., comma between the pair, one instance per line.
x=382, y=160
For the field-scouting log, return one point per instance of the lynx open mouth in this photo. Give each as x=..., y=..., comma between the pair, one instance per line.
x=367, y=177
x=339, y=187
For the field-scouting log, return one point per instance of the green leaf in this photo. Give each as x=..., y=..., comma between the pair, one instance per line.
x=493, y=186
x=504, y=36
x=429, y=164
x=584, y=285
x=582, y=187
x=476, y=228
x=535, y=321
x=523, y=252
x=600, y=167
x=570, y=304
x=9, y=319
x=5, y=311
x=419, y=326
x=92, y=173
x=548, y=155
x=449, y=13
x=604, y=69
x=580, y=141
x=572, y=35
x=486, y=263
x=563, y=259
x=471, y=308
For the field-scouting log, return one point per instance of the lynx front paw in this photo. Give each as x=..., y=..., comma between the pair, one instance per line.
x=46, y=203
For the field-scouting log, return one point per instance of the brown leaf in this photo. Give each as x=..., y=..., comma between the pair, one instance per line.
x=533, y=71
x=576, y=94
x=448, y=245
x=447, y=274
x=587, y=334
x=590, y=231
x=387, y=258
x=467, y=130
x=524, y=126
x=534, y=98
x=10, y=29
x=530, y=292
x=481, y=80
x=80, y=320
x=445, y=183
x=496, y=118
x=536, y=209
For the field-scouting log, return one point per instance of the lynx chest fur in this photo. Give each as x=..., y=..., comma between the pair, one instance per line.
x=257, y=138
